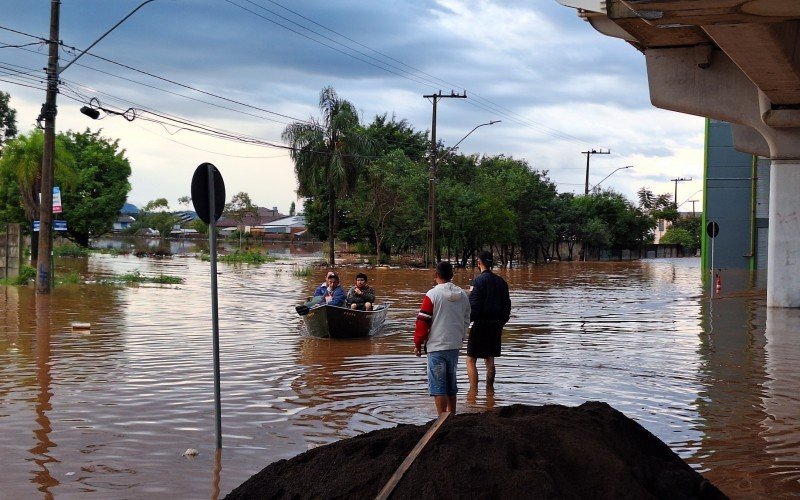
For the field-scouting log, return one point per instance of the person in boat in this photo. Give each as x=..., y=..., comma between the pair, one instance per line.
x=441, y=327
x=361, y=296
x=491, y=309
x=330, y=293
x=321, y=285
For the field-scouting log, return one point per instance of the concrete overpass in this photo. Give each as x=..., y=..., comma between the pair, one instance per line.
x=732, y=60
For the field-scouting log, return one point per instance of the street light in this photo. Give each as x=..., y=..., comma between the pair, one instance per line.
x=454, y=146
x=612, y=173
x=48, y=117
x=432, y=191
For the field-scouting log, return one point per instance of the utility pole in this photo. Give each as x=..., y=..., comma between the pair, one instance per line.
x=693, y=202
x=676, y=181
x=430, y=258
x=589, y=155
x=44, y=274
x=48, y=115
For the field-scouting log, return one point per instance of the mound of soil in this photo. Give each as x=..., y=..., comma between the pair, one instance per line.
x=552, y=451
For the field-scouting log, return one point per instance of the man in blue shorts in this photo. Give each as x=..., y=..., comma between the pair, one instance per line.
x=441, y=327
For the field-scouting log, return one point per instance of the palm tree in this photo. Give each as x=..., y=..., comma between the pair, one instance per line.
x=22, y=158
x=328, y=154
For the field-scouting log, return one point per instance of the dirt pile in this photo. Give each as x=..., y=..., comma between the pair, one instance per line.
x=589, y=451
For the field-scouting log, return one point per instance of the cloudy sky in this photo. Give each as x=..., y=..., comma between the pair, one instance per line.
x=246, y=68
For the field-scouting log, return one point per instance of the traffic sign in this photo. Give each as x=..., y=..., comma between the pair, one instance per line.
x=58, y=225
x=201, y=197
x=712, y=229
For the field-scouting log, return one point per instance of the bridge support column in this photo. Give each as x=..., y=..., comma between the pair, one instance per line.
x=690, y=80
x=783, y=274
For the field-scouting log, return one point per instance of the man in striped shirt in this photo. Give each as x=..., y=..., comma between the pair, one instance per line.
x=441, y=327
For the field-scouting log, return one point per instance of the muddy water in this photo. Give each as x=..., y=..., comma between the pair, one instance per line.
x=108, y=413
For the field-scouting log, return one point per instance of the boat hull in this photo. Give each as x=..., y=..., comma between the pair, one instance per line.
x=342, y=323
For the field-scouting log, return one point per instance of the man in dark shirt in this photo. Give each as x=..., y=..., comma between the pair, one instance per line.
x=490, y=310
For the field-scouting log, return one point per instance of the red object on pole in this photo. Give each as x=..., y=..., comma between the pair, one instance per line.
x=719, y=283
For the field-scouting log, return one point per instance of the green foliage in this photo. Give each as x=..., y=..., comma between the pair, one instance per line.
x=303, y=271
x=693, y=225
x=246, y=257
x=138, y=277
x=69, y=250
x=22, y=160
x=362, y=248
x=199, y=226
x=240, y=208
x=92, y=205
x=72, y=278
x=678, y=236
x=26, y=275
x=156, y=215
x=328, y=154
x=8, y=119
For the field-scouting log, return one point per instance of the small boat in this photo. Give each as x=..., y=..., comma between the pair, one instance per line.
x=341, y=322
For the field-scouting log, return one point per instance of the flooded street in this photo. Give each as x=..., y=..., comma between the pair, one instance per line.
x=109, y=412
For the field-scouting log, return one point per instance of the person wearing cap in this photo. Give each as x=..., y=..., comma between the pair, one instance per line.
x=321, y=285
x=331, y=293
x=491, y=309
x=441, y=326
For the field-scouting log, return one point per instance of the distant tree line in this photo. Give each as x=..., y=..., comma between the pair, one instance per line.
x=368, y=185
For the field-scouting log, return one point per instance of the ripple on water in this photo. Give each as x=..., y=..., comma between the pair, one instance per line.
x=704, y=377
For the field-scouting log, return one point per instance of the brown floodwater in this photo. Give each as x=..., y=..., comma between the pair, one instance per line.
x=109, y=412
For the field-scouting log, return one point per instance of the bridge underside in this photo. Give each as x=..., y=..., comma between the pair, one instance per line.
x=732, y=60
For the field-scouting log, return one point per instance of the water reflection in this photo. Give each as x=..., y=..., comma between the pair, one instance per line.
x=715, y=379
x=41, y=450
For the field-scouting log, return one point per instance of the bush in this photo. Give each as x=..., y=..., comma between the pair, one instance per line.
x=70, y=250
x=679, y=236
x=26, y=275
x=246, y=257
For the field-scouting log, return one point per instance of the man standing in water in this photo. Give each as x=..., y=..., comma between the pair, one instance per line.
x=442, y=324
x=491, y=309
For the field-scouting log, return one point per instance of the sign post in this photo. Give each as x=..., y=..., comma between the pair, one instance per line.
x=208, y=198
x=712, y=230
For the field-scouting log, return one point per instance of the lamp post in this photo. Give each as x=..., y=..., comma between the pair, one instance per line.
x=612, y=173
x=432, y=191
x=48, y=116
x=476, y=127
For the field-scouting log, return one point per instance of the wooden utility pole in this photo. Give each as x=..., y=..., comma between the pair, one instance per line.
x=589, y=155
x=430, y=258
x=44, y=275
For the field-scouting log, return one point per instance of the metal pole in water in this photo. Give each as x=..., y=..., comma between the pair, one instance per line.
x=212, y=241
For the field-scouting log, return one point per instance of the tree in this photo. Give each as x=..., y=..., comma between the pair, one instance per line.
x=240, y=208
x=156, y=215
x=328, y=154
x=693, y=227
x=679, y=236
x=292, y=209
x=102, y=173
x=22, y=161
x=387, y=180
x=8, y=120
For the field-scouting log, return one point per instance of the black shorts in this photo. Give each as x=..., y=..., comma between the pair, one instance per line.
x=484, y=339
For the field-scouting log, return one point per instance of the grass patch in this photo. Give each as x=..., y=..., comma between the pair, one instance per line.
x=26, y=275
x=246, y=257
x=303, y=271
x=70, y=250
x=72, y=278
x=137, y=277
